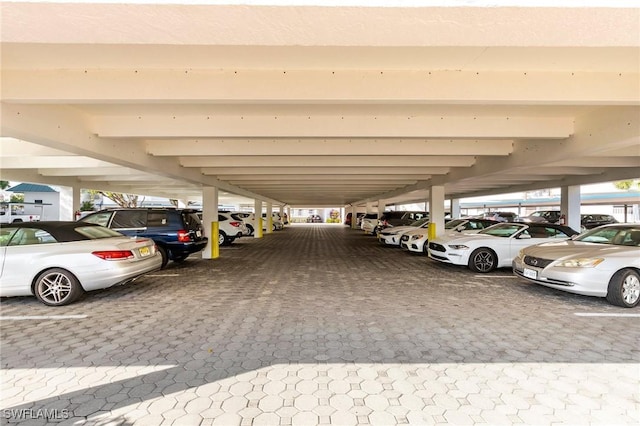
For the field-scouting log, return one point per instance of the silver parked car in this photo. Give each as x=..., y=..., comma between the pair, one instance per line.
x=602, y=262
x=58, y=261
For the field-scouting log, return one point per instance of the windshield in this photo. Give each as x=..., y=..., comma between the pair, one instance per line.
x=615, y=235
x=420, y=222
x=97, y=232
x=502, y=230
x=454, y=223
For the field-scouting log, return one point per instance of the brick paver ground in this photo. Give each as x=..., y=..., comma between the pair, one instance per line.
x=321, y=325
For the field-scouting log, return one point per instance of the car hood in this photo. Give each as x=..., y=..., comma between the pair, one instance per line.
x=464, y=238
x=561, y=249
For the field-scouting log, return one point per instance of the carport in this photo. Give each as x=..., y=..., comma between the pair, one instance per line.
x=285, y=106
x=357, y=105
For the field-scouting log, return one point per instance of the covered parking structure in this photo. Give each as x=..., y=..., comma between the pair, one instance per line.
x=297, y=105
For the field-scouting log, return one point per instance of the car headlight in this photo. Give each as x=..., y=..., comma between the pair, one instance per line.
x=458, y=247
x=581, y=262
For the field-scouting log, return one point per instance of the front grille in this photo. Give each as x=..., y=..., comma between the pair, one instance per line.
x=437, y=247
x=537, y=261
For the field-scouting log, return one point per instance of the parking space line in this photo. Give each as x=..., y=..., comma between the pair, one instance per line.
x=602, y=314
x=42, y=317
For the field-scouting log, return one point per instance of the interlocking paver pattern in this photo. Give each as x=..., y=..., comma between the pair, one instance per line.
x=320, y=325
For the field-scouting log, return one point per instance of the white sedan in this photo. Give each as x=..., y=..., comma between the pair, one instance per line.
x=391, y=236
x=58, y=261
x=602, y=262
x=417, y=240
x=495, y=246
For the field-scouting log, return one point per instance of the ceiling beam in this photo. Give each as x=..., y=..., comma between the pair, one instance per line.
x=328, y=161
x=239, y=25
x=329, y=147
x=308, y=86
x=331, y=126
x=382, y=171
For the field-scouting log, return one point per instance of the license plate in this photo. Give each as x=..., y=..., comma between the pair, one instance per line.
x=198, y=234
x=144, y=252
x=530, y=273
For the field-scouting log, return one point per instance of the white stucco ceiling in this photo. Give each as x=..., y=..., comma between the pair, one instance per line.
x=310, y=106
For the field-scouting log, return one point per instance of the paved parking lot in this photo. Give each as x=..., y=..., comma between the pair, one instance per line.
x=320, y=324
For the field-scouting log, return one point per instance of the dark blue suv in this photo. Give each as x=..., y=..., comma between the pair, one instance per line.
x=177, y=232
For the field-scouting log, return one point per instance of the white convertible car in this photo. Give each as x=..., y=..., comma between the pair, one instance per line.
x=58, y=261
x=495, y=246
x=602, y=262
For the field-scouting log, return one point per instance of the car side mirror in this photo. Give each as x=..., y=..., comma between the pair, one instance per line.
x=524, y=237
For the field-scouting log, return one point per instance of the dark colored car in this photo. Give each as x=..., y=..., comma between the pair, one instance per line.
x=177, y=232
x=590, y=221
x=389, y=219
x=347, y=220
x=314, y=218
x=541, y=216
x=501, y=216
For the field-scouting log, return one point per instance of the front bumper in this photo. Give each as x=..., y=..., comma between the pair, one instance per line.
x=584, y=281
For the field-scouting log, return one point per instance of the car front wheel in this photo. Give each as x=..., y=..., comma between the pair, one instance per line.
x=57, y=287
x=483, y=260
x=624, y=288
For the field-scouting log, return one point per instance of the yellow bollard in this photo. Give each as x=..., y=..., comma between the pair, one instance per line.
x=215, y=247
x=258, y=229
x=431, y=232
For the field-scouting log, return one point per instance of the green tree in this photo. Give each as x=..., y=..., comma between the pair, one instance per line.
x=626, y=185
x=4, y=184
x=17, y=198
x=86, y=206
x=122, y=200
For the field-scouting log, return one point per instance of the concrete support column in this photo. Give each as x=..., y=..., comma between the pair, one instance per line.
x=455, y=208
x=210, y=221
x=257, y=222
x=570, y=206
x=381, y=207
x=370, y=207
x=354, y=216
x=436, y=211
x=269, y=218
x=69, y=204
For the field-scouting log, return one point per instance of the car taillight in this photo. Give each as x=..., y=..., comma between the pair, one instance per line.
x=184, y=236
x=113, y=254
x=236, y=224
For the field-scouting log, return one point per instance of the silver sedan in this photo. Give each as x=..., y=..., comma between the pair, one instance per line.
x=603, y=262
x=58, y=261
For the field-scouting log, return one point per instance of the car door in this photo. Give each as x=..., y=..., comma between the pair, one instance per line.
x=529, y=237
x=21, y=259
x=5, y=236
